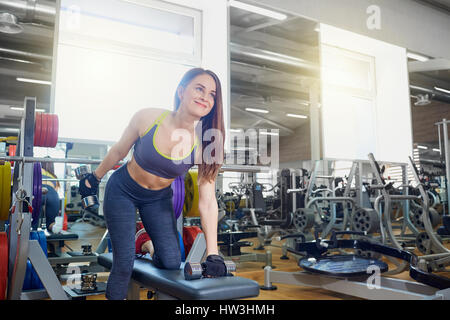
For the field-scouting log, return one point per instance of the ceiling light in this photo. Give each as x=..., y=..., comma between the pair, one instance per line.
x=422, y=147
x=34, y=81
x=21, y=109
x=10, y=130
x=257, y=110
x=258, y=10
x=268, y=133
x=437, y=150
x=442, y=90
x=416, y=56
x=296, y=116
x=235, y=130
x=9, y=24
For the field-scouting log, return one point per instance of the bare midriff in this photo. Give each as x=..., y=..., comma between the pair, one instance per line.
x=146, y=179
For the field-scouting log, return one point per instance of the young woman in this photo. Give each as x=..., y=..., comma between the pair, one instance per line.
x=143, y=183
x=50, y=200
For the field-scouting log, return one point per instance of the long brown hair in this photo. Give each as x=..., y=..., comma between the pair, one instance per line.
x=208, y=169
x=50, y=168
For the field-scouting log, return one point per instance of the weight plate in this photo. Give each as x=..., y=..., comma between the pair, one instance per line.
x=424, y=244
x=37, y=128
x=51, y=129
x=44, y=130
x=54, y=139
x=182, y=194
x=365, y=220
x=28, y=277
x=303, y=219
x=35, y=193
x=180, y=198
x=3, y=264
x=34, y=235
x=5, y=191
x=180, y=240
x=189, y=194
x=39, y=190
x=2, y=186
x=417, y=219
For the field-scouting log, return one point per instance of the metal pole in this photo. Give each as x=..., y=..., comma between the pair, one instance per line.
x=447, y=160
x=233, y=168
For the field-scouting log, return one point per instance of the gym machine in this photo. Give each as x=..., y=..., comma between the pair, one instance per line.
x=350, y=273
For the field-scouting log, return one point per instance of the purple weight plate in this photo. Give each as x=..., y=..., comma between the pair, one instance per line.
x=174, y=196
x=177, y=202
x=39, y=190
x=182, y=194
x=35, y=190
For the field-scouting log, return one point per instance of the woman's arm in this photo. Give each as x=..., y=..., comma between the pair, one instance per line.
x=120, y=149
x=207, y=205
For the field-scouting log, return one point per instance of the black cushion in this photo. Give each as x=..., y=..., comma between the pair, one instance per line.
x=172, y=282
x=63, y=236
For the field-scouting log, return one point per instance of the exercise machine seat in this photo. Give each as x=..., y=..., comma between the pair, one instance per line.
x=172, y=282
x=63, y=236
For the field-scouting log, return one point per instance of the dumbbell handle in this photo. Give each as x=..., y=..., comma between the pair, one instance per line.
x=195, y=270
x=80, y=173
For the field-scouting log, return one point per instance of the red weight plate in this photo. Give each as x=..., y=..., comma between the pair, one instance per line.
x=44, y=132
x=3, y=264
x=51, y=130
x=37, y=128
x=189, y=235
x=55, y=130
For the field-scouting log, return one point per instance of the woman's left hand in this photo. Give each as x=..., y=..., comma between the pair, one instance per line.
x=214, y=266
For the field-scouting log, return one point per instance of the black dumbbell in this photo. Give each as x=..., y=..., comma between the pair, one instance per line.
x=89, y=201
x=194, y=270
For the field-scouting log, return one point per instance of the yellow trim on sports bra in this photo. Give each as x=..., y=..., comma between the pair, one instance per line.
x=157, y=121
x=162, y=154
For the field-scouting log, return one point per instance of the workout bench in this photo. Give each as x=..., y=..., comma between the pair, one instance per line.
x=171, y=285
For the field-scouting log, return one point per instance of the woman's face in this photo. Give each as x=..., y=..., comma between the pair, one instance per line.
x=199, y=95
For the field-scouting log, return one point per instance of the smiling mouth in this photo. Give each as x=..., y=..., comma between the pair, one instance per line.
x=201, y=104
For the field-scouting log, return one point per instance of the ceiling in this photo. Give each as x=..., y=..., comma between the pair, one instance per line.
x=273, y=65
x=442, y=5
x=260, y=80
x=25, y=55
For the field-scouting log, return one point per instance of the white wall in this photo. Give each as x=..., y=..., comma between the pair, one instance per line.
x=363, y=121
x=106, y=68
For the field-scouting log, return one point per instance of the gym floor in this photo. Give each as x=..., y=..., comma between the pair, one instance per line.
x=252, y=270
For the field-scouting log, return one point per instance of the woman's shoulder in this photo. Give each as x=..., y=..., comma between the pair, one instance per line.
x=147, y=116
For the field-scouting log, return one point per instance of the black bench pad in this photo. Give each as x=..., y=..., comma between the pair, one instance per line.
x=63, y=236
x=172, y=282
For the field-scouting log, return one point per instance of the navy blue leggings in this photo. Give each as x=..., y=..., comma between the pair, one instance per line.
x=123, y=196
x=51, y=203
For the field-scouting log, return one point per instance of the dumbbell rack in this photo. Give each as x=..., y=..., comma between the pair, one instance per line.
x=21, y=248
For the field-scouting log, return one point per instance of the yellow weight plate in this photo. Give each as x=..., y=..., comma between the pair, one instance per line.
x=1, y=193
x=188, y=194
x=193, y=195
x=6, y=191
